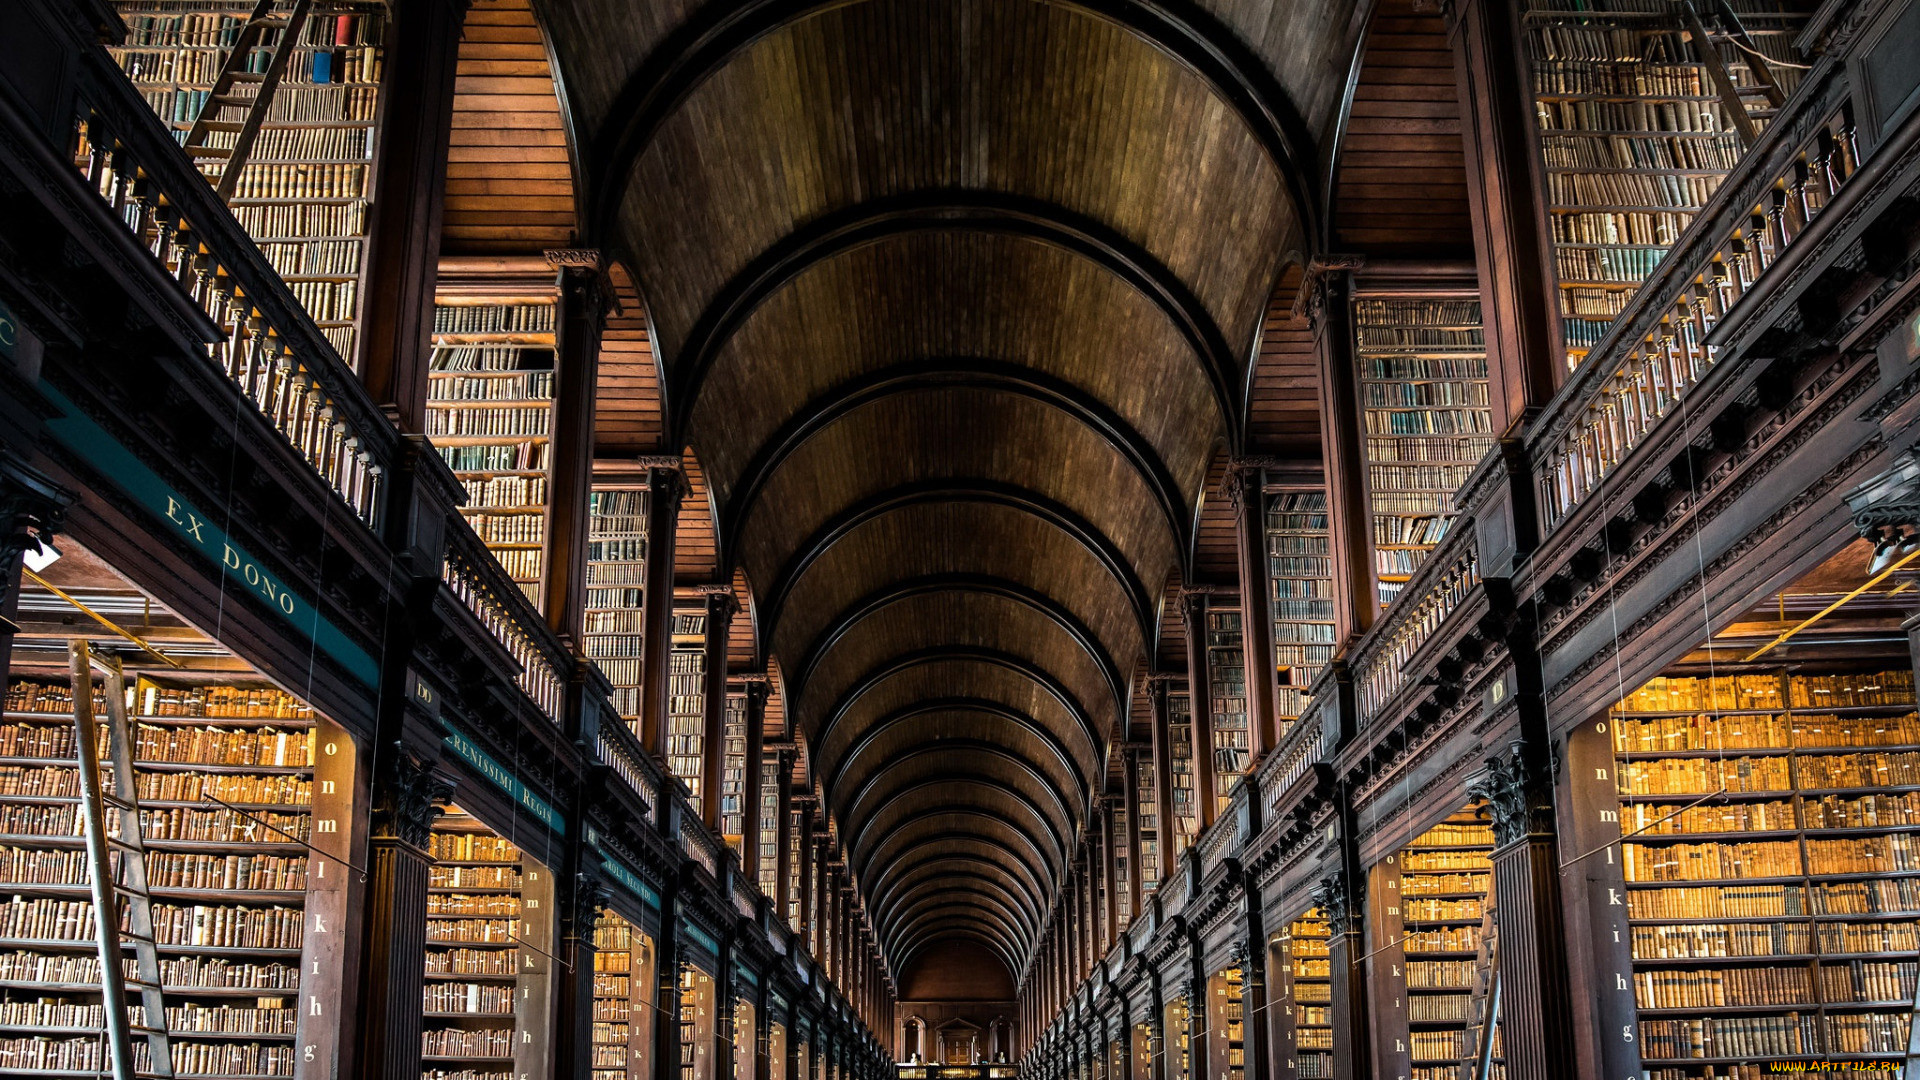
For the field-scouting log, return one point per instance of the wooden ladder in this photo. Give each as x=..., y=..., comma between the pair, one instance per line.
x=1483, y=1003
x=121, y=893
x=1746, y=105
x=234, y=74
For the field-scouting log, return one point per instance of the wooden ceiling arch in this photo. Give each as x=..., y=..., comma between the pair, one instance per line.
x=1006, y=871
x=872, y=223
x=958, y=303
x=964, y=893
x=977, y=584
x=959, y=373
x=1182, y=29
x=933, y=834
x=906, y=725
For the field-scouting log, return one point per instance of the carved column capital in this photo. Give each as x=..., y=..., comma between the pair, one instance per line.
x=722, y=605
x=1331, y=897
x=1193, y=605
x=1520, y=802
x=666, y=480
x=1886, y=509
x=410, y=796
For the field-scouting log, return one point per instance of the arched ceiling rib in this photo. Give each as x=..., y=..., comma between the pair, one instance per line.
x=956, y=303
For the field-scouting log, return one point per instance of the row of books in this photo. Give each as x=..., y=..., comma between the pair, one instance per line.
x=1604, y=151
x=299, y=180
x=508, y=528
x=1661, y=227
x=59, y=782
x=1639, y=80
x=1652, y=190
x=1445, y=478
x=269, y=221
x=327, y=301
x=489, y=421
x=454, y=997
x=345, y=143
x=165, y=870
x=530, y=385
x=463, y=1042
x=499, y=358
x=1647, y=114
x=1407, y=395
x=1380, y=365
x=512, y=457
x=1626, y=266
x=505, y=491
x=493, y=318
x=1465, y=420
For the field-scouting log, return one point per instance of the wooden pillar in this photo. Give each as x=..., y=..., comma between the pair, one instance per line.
x=802, y=878
x=721, y=606
x=1193, y=605
x=1338, y=897
x=1328, y=292
x=1135, y=883
x=573, y=1001
x=409, y=196
x=666, y=488
x=407, y=796
x=750, y=782
x=1525, y=355
x=783, y=837
x=582, y=315
x=1110, y=872
x=1248, y=499
x=1162, y=778
x=1537, y=1022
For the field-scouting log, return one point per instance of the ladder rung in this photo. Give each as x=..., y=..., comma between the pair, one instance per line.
x=127, y=844
x=247, y=76
x=210, y=151
x=117, y=802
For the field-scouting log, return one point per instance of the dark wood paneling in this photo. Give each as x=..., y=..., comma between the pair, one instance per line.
x=509, y=183
x=1400, y=187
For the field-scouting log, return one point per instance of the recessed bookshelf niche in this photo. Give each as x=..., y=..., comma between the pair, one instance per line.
x=1422, y=360
x=490, y=413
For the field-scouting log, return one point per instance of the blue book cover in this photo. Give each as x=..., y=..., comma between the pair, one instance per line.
x=322, y=67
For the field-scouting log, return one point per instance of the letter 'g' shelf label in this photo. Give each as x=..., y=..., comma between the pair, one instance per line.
x=89, y=440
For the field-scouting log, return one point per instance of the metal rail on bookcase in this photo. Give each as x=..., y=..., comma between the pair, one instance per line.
x=1444, y=580
x=486, y=590
x=1657, y=349
x=271, y=351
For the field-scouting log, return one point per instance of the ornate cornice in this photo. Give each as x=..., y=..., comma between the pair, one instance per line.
x=412, y=795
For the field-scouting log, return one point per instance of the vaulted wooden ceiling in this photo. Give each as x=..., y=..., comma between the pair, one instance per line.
x=955, y=304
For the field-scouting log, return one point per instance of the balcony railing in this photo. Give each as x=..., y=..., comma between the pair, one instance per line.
x=1291, y=760
x=486, y=590
x=1382, y=667
x=270, y=348
x=1658, y=349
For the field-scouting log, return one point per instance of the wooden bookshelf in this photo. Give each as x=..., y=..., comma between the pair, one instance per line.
x=233, y=887
x=1780, y=917
x=796, y=864
x=613, y=626
x=1305, y=997
x=1186, y=819
x=1430, y=944
x=622, y=985
x=686, y=700
x=1118, y=836
x=302, y=193
x=1633, y=139
x=1422, y=362
x=486, y=995
x=733, y=773
x=1227, y=680
x=696, y=1024
x=1147, y=806
x=767, y=822
x=1300, y=574
x=1226, y=1013
x=1176, y=1038
x=490, y=411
